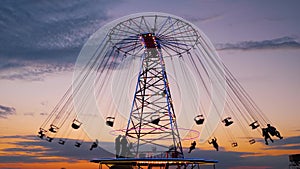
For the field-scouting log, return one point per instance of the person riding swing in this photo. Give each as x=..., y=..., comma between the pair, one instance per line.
x=192, y=147
x=266, y=135
x=214, y=143
x=273, y=131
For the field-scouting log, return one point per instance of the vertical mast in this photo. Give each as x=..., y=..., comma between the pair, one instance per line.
x=152, y=126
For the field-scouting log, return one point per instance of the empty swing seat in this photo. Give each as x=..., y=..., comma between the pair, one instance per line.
x=234, y=144
x=227, y=121
x=53, y=128
x=199, y=119
x=254, y=125
x=252, y=141
x=62, y=142
x=49, y=139
x=76, y=124
x=155, y=119
x=77, y=144
x=110, y=121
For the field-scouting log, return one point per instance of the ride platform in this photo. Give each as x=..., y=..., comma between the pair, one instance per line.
x=149, y=163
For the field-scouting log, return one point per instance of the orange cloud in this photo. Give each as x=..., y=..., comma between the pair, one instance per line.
x=50, y=165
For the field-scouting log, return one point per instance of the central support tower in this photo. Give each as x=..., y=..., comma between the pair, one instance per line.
x=152, y=127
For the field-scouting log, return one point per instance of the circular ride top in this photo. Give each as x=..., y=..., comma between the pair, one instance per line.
x=146, y=84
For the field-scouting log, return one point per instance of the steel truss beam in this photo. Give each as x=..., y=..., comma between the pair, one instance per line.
x=152, y=118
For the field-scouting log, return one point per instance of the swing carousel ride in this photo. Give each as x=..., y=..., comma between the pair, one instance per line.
x=147, y=85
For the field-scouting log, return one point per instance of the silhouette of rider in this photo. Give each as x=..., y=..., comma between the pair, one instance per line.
x=192, y=147
x=273, y=131
x=266, y=135
x=124, y=147
x=214, y=143
x=94, y=145
x=118, y=146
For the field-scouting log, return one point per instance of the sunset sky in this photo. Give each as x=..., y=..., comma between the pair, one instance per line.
x=258, y=40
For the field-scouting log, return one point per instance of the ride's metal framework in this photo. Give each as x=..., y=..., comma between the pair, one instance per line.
x=163, y=52
x=152, y=118
x=149, y=163
x=169, y=44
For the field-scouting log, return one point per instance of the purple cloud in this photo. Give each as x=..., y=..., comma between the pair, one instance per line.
x=6, y=111
x=40, y=38
x=283, y=42
x=36, y=148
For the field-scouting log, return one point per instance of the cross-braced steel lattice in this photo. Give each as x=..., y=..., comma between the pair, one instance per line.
x=152, y=118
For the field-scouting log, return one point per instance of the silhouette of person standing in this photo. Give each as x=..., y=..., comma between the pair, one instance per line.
x=214, y=143
x=266, y=135
x=118, y=146
x=192, y=147
x=124, y=147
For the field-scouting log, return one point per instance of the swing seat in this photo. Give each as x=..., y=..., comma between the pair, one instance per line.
x=155, y=119
x=53, y=128
x=41, y=133
x=76, y=124
x=49, y=139
x=62, y=142
x=77, y=144
x=227, y=121
x=234, y=144
x=254, y=125
x=110, y=121
x=199, y=119
x=252, y=141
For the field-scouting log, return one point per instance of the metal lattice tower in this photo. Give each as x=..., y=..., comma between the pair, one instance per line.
x=152, y=118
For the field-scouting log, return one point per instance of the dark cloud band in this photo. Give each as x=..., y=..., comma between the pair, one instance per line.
x=42, y=37
x=6, y=111
x=278, y=43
